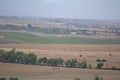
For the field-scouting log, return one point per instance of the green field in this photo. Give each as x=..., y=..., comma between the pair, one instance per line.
x=64, y=40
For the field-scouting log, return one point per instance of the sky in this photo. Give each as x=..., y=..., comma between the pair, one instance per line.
x=80, y=9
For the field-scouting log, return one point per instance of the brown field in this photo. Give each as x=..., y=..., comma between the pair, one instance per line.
x=34, y=72
x=21, y=22
x=66, y=51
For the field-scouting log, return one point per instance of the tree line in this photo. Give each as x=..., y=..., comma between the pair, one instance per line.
x=20, y=57
x=14, y=56
x=51, y=30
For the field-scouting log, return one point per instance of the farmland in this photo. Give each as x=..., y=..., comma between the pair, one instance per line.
x=105, y=44
x=57, y=40
x=32, y=72
x=89, y=52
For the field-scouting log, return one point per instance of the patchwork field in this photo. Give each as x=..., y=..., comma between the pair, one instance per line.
x=90, y=49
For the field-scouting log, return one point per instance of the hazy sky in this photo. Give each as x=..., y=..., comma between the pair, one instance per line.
x=82, y=9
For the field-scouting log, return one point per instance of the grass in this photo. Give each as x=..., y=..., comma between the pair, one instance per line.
x=65, y=40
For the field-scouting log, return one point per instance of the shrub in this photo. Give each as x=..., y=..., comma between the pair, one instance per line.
x=55, y=62
x=97, y=78
x=77, y=79
x=99, y=65
x=89, y=66
x=71, y=63
x=103, y=60
x=98, y=60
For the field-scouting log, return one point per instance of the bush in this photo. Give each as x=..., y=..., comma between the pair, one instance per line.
x=42, y=61
x=98, y=78
x=98, y=60
x=103, y=60
x=71, y=63
x=83, y=64
x=77, y=79
x=99, y=65
x=55, y=62
x=89, y=66
x=114, y=68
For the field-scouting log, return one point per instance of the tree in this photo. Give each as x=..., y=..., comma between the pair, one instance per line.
x=60, y=62
x=71, y=63
x=99, y=65
x=9, y=56
x=19, y=58
x=83, y=64
x=25, y=59
x=55, y=62
x=32, y=58
x=12, y=55
x=42, y=61
x=2, y=52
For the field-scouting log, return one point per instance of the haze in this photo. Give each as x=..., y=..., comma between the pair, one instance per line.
x=81, y=9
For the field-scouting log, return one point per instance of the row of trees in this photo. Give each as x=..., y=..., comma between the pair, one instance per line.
x=74, y=63
x=17, y=57
x=14, y=56
x=50, y=62
x=51, y=30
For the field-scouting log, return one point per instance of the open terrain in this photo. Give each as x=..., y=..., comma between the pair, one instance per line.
x=33, y=72
x=90, y=46
x=79, y=28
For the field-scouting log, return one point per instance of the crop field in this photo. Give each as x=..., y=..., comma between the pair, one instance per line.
x=57, y=40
